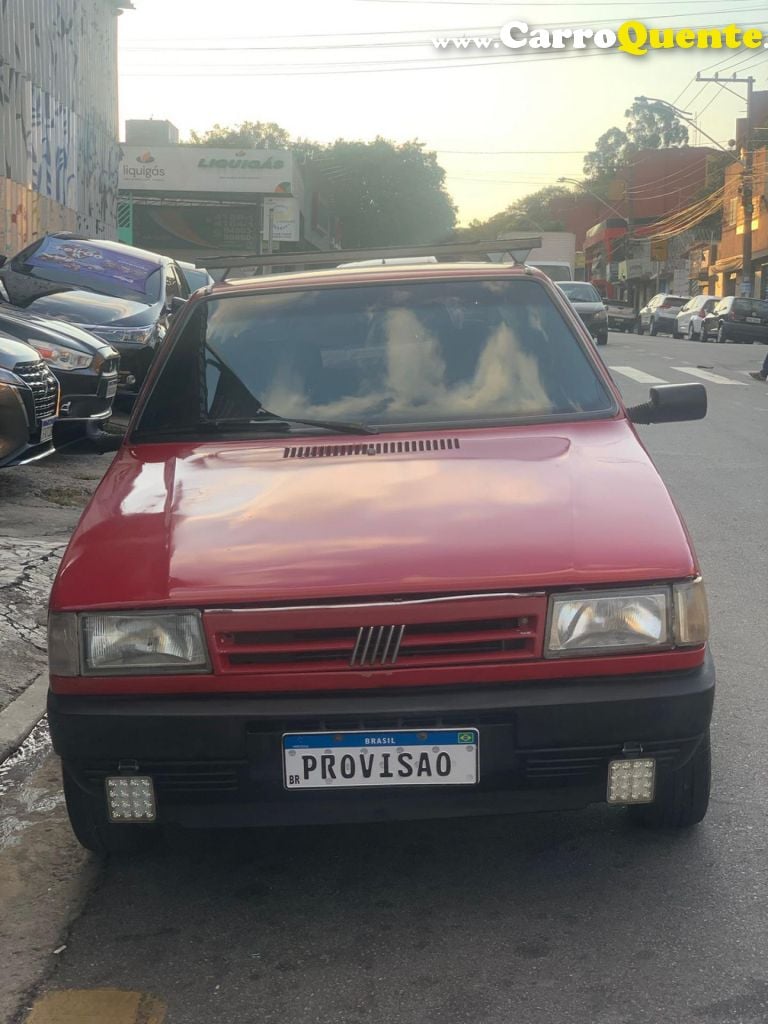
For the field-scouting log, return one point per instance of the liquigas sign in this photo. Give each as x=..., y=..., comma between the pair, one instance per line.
x=206, y=169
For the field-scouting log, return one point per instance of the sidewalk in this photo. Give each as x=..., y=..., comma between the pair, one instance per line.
x=40, y=505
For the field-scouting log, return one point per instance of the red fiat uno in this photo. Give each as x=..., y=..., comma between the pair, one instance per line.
x=380, y=543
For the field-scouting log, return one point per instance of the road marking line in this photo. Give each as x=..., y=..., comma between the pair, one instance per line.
x=638, y=375
x=713, y=378
x=97, y=1006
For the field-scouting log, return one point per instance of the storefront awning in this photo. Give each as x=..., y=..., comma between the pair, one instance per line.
x=727, y=265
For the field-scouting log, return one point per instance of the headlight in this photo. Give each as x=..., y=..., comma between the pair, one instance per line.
x=115, y=335
x=124, y=643
x=601, y=315
x=60, y=358
x=6, y=377
x=594, y=622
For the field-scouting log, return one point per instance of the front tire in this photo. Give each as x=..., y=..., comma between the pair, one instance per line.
x=93, y=829
x=690, y=334
x=721, y=338
x=652, y=329
x=682, y=797
x=640, y=329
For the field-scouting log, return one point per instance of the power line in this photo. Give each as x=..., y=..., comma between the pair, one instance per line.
x=427, y=35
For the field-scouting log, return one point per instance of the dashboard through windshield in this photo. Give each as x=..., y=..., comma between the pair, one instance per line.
x=390, y=356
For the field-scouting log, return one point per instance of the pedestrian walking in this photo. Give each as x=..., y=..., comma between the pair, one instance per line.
x=761, y=374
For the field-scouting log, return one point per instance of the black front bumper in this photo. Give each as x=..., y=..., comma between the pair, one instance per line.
x=217, y=761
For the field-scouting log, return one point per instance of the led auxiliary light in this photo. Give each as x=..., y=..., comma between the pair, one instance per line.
x=130, y=798
x=631, y=781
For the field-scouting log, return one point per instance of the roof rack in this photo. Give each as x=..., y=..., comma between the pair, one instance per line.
x=492, y=250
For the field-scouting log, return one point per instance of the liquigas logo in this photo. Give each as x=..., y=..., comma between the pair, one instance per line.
x=632, y=37
x=145, y=169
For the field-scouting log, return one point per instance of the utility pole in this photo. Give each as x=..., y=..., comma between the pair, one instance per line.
x=747, y=278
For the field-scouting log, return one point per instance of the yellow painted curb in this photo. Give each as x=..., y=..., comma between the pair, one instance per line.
x=97, y=1006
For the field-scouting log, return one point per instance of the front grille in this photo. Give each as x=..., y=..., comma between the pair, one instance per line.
x=178, y=777
x=43, y=385
x=408, y=634
x=324, y=451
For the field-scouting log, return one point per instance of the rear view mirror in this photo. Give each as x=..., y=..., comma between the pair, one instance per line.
x=3, y=260
x=672, y=403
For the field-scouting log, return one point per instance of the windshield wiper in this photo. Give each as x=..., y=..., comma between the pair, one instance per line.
x=269, y=420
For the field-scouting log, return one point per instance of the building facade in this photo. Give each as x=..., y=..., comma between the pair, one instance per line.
x=59, y=152
x=194, y=202
x=655, y=184
x=730, y=263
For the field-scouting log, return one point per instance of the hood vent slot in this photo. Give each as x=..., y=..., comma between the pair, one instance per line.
x=320, y=451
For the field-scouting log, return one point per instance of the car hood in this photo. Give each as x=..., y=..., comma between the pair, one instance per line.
x=54, y=332
x=80, y=307
x=242, y=523
x=13, y=351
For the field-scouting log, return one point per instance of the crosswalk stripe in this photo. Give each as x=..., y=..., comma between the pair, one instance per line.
x=713, y=378
x=639, y=375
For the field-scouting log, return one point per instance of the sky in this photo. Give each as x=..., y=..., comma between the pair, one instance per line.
x=503, y=122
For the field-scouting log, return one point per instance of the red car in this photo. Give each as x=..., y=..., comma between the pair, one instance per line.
x=380, y=543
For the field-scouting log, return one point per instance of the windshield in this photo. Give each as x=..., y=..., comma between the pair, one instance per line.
x=395, y=355
x=673, y=301
x=751, y=307
x=578, y=292
x=82, y=265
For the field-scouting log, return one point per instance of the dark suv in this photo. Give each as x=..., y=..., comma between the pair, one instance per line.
x=123, y=295
x=739, y=320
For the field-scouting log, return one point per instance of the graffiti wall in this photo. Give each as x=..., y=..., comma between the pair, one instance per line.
x=59, y=154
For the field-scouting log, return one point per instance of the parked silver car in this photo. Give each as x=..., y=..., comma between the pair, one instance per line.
x=660, y=315
x=691, y=315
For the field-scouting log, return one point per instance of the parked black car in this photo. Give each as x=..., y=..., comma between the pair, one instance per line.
x=29, y=402
x=123, y=295
x=84, y=365
x=587, y=302
x=739, y=320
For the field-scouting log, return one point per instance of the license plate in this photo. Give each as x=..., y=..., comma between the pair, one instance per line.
x=753, y=320
x=111, y=389
x=352, y=760
x=46, y=429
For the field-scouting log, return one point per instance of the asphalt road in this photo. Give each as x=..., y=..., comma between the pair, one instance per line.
x=574, y=917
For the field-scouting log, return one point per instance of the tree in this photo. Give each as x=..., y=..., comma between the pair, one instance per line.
x=650, y=125
x=539, y=211
x=248, y=135
x=607, y=156
x=654, y=125
x=386, y=193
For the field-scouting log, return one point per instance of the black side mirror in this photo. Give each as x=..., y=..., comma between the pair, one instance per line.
x=3, y=260
x=177, y=303
x=672, y=403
